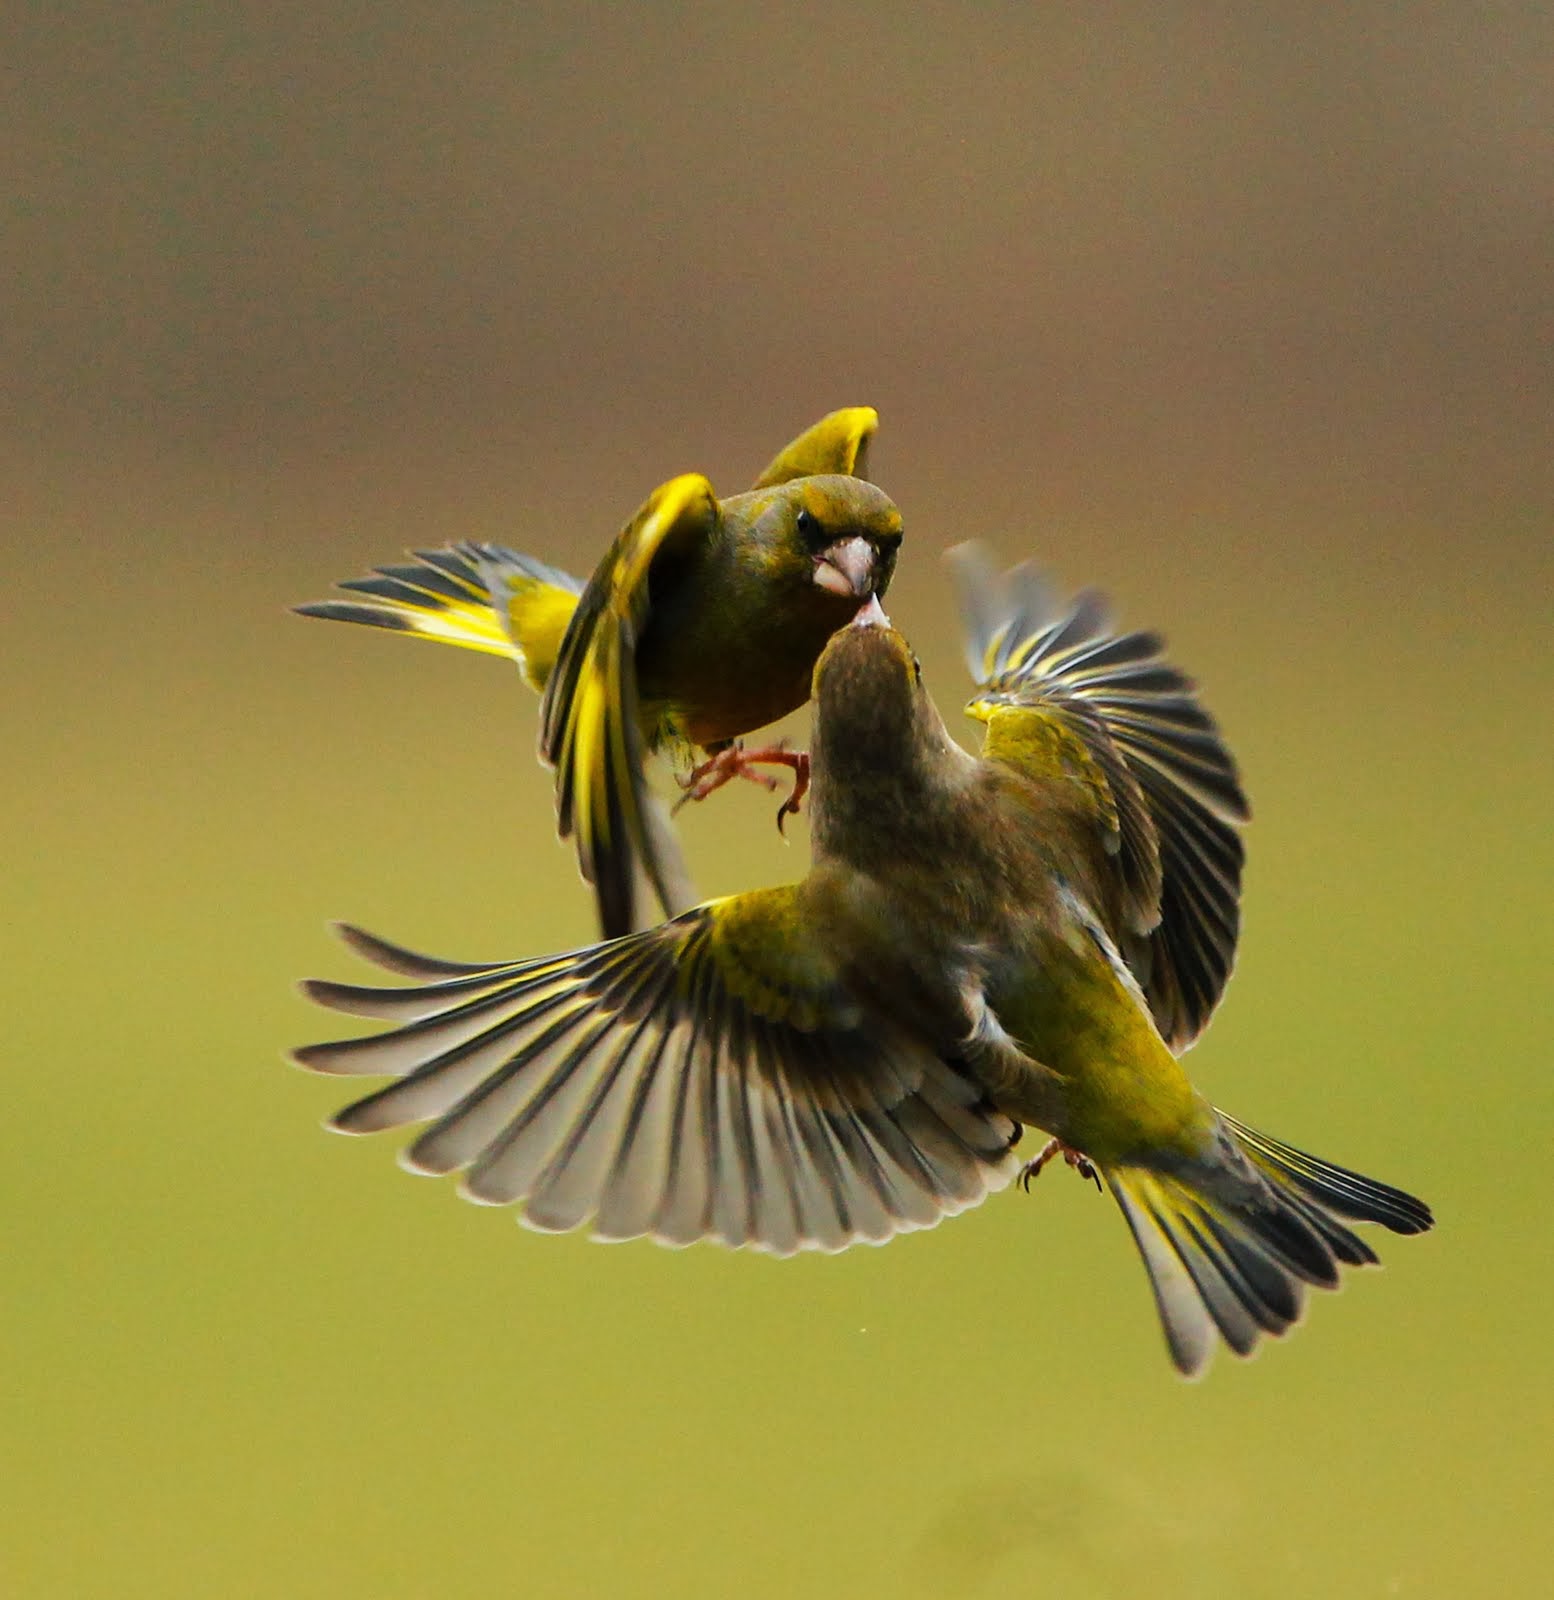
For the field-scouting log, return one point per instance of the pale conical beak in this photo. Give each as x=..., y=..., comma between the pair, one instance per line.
x=871, y=615
x=847, y=568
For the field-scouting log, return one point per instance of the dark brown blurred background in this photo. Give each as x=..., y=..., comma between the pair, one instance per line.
x=1243, y=313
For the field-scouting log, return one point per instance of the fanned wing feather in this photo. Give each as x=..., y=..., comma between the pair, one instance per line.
x=488, y=598
x=1176, y=802
x=707, y=1079
x=838, y=443
x=589, y=722
x=448, y=596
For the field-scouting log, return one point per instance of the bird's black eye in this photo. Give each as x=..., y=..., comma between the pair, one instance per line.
x=810, y=529
x=917, y=670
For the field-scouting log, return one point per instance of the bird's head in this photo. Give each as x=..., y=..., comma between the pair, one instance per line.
x=868, y=675
x=880, y=746
x=850, y=532
x=829, y=533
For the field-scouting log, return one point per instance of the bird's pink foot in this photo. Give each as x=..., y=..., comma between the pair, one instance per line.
x=734, y=761
x=1077, y=1159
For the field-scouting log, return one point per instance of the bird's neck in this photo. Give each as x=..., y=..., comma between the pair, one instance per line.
x=873, y=808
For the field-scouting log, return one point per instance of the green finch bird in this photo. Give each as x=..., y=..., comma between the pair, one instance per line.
x=1024, y=938
x=702, y=623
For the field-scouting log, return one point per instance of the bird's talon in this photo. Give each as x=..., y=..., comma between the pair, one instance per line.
x=790, y=806
x=734, y=761
x=1077, y=1159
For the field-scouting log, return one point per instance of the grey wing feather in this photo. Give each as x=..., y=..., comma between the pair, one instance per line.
x=1132, y=707
x=624, y=1087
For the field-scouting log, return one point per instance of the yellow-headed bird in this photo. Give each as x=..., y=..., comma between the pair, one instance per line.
x=702, y=623
x=1026, y=937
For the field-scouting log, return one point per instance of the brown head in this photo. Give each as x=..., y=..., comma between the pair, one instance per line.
x=883, y=761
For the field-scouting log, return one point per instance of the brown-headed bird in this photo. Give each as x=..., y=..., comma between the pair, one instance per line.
x=982, y=943
x=701, y=624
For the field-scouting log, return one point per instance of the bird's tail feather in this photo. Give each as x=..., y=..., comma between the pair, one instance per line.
x=476, y=596
x=1232, y=1238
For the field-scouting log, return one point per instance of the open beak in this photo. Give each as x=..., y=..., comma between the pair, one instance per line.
x=872, y=615
x=847, y=568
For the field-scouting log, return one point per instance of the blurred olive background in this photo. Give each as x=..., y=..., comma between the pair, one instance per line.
x=1242, y=313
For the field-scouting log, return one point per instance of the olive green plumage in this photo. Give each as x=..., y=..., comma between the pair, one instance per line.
x=1023, y=938
x=701, y=623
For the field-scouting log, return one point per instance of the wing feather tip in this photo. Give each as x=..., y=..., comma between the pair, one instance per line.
x=321, y=1057
x=355, y=1120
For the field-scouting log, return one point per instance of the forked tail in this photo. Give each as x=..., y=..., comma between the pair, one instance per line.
x=1231, y=1238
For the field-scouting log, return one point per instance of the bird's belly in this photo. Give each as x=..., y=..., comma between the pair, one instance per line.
x=713, y=694
x=715, y=718
x=1122, y=1090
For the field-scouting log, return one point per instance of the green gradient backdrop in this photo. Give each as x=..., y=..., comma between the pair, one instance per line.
x=1241, y=314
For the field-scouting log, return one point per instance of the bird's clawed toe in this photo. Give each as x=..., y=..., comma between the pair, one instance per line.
x=1077, y=1159
x=734, y=761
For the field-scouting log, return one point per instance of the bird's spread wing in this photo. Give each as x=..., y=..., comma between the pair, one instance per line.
x=443, y=597
x=838, y=443
x=589, y=724
x=477, y=596
x=710, y=1078
x=1167, y=790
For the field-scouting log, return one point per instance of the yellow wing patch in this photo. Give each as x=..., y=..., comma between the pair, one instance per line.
x=477, y=596
x=765, y=960
x=589, y=724
x=443, y=598
x=1036, y=742
x=838, y=443
x=537, y=618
